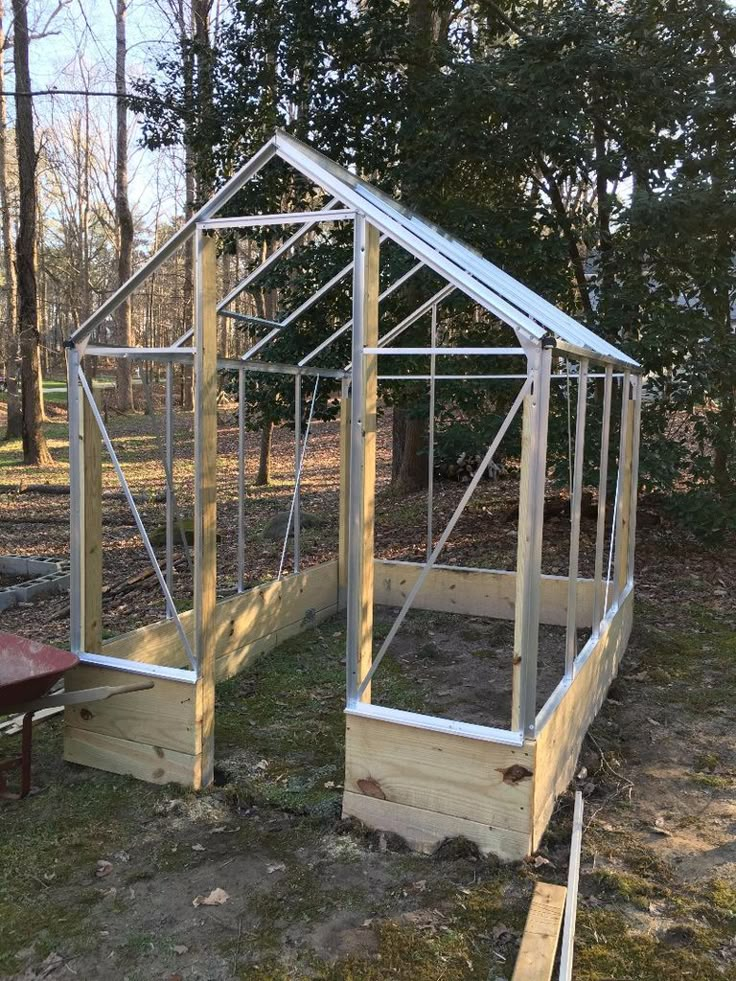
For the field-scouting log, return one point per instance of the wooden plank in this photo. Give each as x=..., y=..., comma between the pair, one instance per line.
x=529, y=544
x=239, y=620
x=161, y=716
x=424, y=830
x=367, y=474
x=477, y=592
x=600, y=534
x=342, y=575
x=571, y=638
x=233, y=662
x=92, y=530
x=536, y=957
x=205, y=496
x=622, y=516
x=476, y=780
x=558, y=742
x=150, y=763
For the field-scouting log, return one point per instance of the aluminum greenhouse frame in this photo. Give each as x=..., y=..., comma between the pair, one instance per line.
x=421, y=776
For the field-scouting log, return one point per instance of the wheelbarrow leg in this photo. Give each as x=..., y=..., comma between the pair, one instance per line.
x=22, y=762
x=25, y=757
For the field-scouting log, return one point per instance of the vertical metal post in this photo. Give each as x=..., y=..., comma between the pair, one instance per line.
x=169, y=449
x=430, y=449
x=76, y=503
x=634, y=475
x=623, y=492
x=241, y=480
x=529, y=551
x=297, y=467
x=602, y=495
x=575, y=505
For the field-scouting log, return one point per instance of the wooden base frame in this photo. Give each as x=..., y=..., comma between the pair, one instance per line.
x=428, y=785
x=160, y=735
x=402, y=776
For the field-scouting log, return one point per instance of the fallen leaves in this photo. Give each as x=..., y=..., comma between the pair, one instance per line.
x=216, y=898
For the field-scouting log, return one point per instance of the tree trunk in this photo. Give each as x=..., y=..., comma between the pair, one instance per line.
x=413, y=474
x=35, y=450
x=14, y=428
x=122, y=213
x=398, y=435
x=264, y=458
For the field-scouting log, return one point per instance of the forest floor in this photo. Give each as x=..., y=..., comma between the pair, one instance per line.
x=99, y=873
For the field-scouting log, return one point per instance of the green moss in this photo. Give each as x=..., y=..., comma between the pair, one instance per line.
x=707, y=761
x=606, y=948
x=712, y=780
x=629, y=886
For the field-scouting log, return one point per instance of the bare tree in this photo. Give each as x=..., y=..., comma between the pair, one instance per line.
x=14, y=427
x=35, y=450
x=122, y=210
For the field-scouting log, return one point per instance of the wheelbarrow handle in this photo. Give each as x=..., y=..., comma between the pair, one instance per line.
x=83, y=696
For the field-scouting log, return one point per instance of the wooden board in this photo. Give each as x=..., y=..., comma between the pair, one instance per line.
x=239, y=620
x=162, y=716
x=92, y=530
x=440, y=772
x=150, y=763
x=205, y=499
x=558, y=742
x=476, y=592
x=233, y=662
x=536, y=957
x=424, y=830
x=342, y=561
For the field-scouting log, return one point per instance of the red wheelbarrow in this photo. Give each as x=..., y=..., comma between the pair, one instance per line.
x=28, y=671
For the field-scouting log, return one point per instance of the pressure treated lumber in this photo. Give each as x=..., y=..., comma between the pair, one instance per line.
x=299, y=600
x=163, y=716
x=558, y=742
x=423, y=830
x=477, y=592
x=152, y=764
x=205, y=499
x=536, y=957
x=439, y=785
x=342, y=561
x=92, y=530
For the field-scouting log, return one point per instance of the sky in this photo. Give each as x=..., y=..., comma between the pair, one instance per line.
x=78, y=52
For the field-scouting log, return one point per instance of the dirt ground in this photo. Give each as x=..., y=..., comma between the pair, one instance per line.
x=99, y=874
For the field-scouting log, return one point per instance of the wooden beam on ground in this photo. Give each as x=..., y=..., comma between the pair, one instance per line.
x=205, y=501
x=536, y=958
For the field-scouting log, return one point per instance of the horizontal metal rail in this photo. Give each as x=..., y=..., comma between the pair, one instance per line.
x=480, y=377
x=450, y=351
x=287, y=218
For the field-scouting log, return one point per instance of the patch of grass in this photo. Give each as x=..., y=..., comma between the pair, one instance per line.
x=633, y=888
x=53, y=840
x=712, y=780
x=607, y=948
